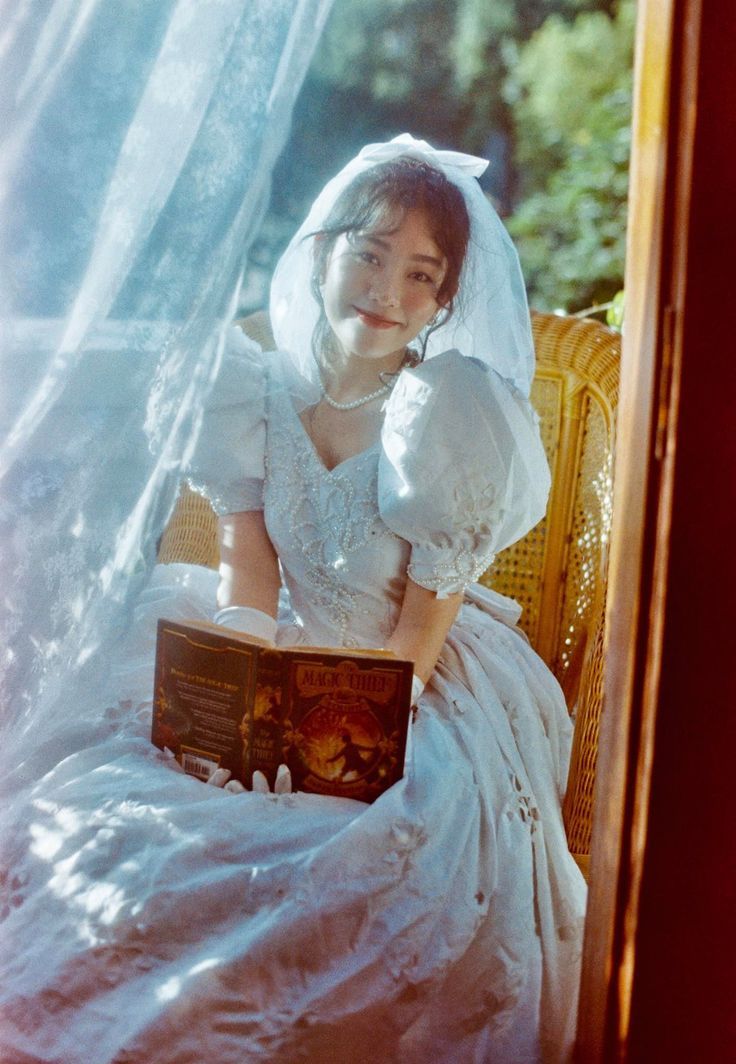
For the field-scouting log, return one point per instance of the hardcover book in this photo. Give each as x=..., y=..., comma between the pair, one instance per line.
x=338, y=718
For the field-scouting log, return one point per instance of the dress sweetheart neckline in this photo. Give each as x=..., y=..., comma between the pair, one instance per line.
x=324, y=468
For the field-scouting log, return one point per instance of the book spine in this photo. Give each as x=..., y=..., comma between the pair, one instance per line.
x=266, y=716
x=246, y=725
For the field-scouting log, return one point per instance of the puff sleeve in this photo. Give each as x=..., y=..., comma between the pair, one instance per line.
x=227, y=465
x=462, y=472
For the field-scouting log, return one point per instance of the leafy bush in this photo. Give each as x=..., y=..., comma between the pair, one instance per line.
x=570, y=93
x=540, y=87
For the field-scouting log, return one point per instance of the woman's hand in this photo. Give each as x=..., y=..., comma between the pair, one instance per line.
x=282, y=785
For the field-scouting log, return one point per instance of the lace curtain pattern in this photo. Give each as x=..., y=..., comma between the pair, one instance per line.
x=137, y=144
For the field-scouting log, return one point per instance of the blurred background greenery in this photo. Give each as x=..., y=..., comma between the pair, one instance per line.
x=541, y=88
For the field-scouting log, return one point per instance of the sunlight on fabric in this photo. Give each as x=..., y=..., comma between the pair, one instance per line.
x=127, y=540
x=105, y=900
x=77, y=607
x=170, y=989
x=205, y=965
x=48, y=391
x=46, y=842
x=100, y=902
x=174, y=102
x=84, y=655
x=53, y=44
x=50, y=650
x=173, y=987
x=126, y=549
x=396, y=450
x=66, y=883
x=284, y=74
x=135, y=168
x=56, y=41
x=66, y=819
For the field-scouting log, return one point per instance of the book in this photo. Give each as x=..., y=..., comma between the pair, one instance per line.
x=337, y=717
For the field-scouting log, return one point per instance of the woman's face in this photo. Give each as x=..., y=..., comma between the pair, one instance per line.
x=380, y=289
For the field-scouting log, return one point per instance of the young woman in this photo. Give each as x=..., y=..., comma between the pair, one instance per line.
x=383, y=457
x=371, y=465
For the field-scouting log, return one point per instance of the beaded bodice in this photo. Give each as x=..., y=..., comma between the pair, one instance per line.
x=458, y=474
x=344, y=568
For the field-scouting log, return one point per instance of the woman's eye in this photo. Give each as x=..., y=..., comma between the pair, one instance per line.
x=367, y=256
x=424, y=278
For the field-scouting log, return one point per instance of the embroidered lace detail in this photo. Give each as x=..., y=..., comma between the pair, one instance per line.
x=448, y=563
x=448, y=568
x=321, y=518
x=527, y=807
x=461, y=549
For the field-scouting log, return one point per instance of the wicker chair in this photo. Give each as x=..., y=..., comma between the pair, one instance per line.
x=557, y=572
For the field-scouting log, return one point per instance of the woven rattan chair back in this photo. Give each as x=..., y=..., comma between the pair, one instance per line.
x=557, y=572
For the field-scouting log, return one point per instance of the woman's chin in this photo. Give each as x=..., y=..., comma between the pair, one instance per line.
x=373, y=348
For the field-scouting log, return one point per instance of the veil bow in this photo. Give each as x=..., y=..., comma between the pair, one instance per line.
x=405, y=144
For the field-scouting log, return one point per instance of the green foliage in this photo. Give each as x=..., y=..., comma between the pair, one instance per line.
x=570, y=94
x=485, y=46
x=390, y=50
x=616, y=310
x=541, y=87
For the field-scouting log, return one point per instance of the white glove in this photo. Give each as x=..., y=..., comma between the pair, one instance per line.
x=282, y=783
x=171, y=761
x=221, y=778
x=249, y=620
x=416, y=689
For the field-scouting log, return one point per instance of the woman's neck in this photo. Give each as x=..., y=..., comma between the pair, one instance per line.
x=348, y=376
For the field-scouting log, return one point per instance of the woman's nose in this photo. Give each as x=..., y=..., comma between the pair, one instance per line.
x=384, y=292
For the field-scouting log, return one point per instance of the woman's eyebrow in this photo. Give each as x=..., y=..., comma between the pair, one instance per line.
x=385, y=246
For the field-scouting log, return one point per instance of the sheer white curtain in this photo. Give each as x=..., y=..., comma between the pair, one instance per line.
x=138, y=138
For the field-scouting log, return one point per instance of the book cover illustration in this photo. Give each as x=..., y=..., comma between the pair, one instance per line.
x=337, y=718
x=345, y=732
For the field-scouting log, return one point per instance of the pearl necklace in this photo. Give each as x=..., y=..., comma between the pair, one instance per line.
x=355, y=403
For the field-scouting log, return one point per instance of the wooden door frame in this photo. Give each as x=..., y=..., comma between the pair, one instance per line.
x=667, y=44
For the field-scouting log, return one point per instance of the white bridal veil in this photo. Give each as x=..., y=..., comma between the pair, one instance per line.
x=490, y=320
x=136, y=146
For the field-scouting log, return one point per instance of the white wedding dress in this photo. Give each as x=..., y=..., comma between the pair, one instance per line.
x=156, y=920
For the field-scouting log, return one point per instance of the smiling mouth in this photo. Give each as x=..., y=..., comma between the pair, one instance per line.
x=374, y=320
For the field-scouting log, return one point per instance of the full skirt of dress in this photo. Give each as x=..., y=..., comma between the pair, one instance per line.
x=149, y=917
